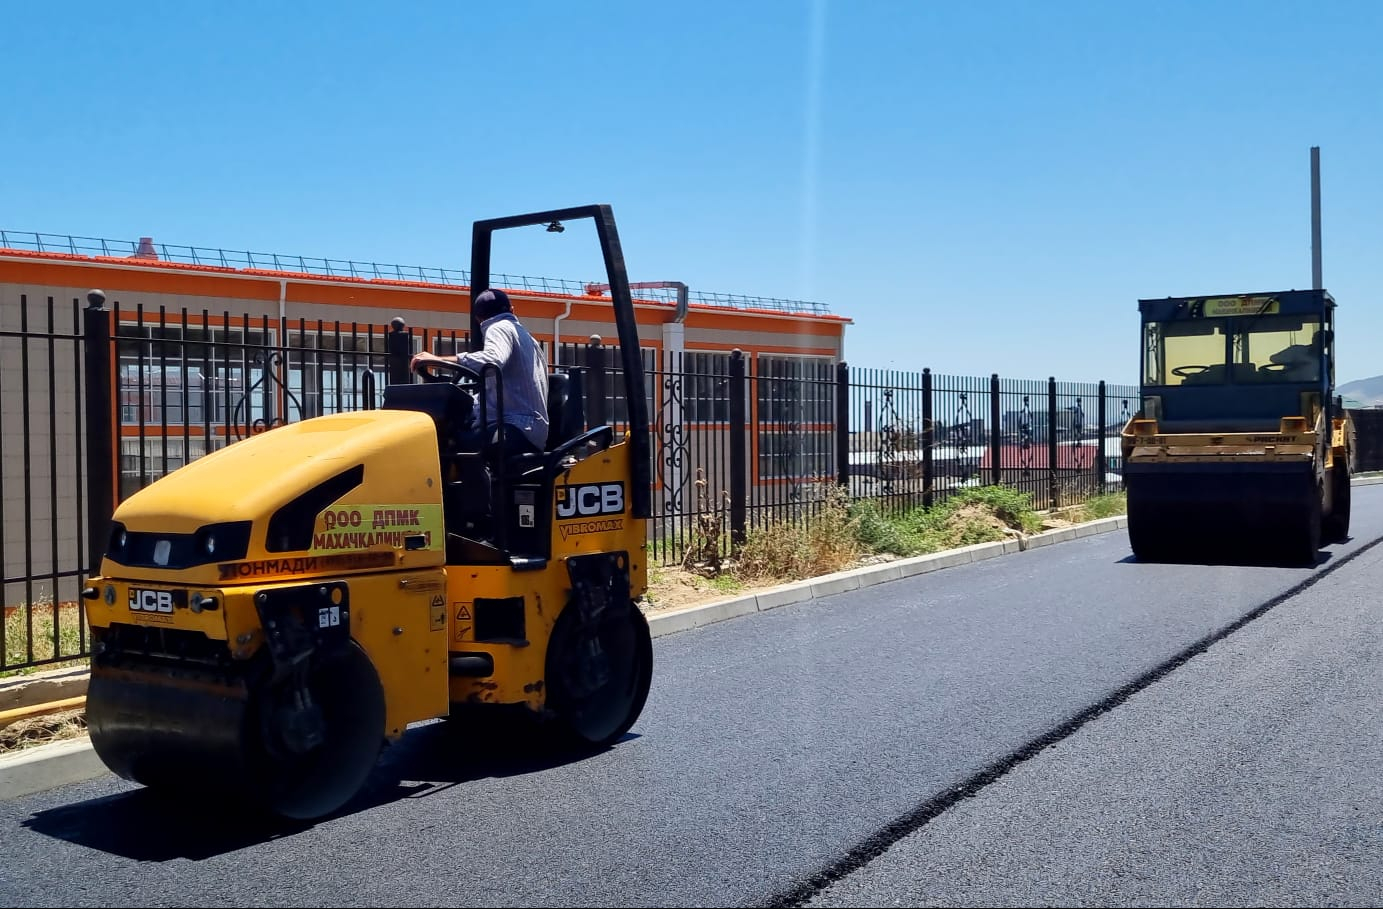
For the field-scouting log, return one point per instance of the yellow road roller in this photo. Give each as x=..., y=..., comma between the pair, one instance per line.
x=269, y=617
x=1240, y=450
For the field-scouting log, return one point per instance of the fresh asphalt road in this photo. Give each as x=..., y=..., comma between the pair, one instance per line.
x=780, y=751
x=1251, y=775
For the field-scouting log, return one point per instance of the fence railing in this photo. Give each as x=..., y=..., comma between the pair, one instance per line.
x=99, y=402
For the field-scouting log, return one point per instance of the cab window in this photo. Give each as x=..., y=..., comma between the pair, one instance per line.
x=1184, y=351
x=1279, y=349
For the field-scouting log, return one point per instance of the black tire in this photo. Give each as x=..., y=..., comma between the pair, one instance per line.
x=598, y=675
x=1337, y=522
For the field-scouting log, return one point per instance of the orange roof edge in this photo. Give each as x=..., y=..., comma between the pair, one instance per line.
x=145, y=263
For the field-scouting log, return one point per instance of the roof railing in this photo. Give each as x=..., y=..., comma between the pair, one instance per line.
x=213, y=257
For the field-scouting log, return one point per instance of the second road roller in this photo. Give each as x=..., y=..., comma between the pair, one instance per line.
x=1240, y=450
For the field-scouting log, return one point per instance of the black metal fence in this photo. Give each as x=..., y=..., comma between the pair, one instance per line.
x=98, y=403
x=188, y=384
x=916, y=438
x=43, y=493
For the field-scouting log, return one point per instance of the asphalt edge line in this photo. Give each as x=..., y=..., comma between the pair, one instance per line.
x=880, y=842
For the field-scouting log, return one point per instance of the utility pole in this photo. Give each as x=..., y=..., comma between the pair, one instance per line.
x=1315, y=217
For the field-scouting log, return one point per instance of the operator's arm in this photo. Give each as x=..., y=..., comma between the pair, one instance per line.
x=499, y=346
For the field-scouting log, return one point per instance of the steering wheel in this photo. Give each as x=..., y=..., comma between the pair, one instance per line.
x=1273, y=367
x=1182, y=371
x=445, y=371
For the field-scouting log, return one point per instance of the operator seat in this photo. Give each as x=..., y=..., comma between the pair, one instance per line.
x=566, y=419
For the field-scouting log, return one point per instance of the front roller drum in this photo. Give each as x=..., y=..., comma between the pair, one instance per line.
x=297, y=752
x=1224, y=516
x=169, y=732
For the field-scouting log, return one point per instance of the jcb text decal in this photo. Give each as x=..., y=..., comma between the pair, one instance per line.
x=589, y=500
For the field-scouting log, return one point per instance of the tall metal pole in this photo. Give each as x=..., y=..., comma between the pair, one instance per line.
x=1315, y=217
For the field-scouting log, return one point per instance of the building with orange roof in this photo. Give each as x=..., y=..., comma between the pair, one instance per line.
x=322, y=326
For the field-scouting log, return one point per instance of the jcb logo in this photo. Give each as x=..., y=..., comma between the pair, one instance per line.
x=590, y=500
x=151, y=601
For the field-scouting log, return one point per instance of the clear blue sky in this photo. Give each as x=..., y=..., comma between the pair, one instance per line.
x=980, y=186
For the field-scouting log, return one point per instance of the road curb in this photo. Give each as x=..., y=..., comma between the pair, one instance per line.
x=47, y=767
x=42, y=688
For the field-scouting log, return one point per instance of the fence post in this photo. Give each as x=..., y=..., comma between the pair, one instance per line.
x=843, y=424
x=928, y=437
x=738, y=479
x=1099, y=450
x=400, y=346
x=995, y=457
x=100, y=428
x=595, y=385
x=367, y=388
x=1051, y=441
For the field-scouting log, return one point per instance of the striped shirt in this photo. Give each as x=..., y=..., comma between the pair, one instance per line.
x=523, y=370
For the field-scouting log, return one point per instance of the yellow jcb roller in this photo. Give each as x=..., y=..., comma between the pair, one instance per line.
x=269, y=616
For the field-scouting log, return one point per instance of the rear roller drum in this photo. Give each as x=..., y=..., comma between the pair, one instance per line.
x=598, y=674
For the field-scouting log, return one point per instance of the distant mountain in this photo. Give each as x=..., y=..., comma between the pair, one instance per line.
x=1362, y=392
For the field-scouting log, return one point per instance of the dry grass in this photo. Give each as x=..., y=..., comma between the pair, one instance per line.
x=826, y=542
x=19, y=621
x=40, y=730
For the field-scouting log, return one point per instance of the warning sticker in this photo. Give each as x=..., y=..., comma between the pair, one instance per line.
x=462, y=613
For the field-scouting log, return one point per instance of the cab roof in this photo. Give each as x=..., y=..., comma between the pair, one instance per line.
x=1246, y=304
